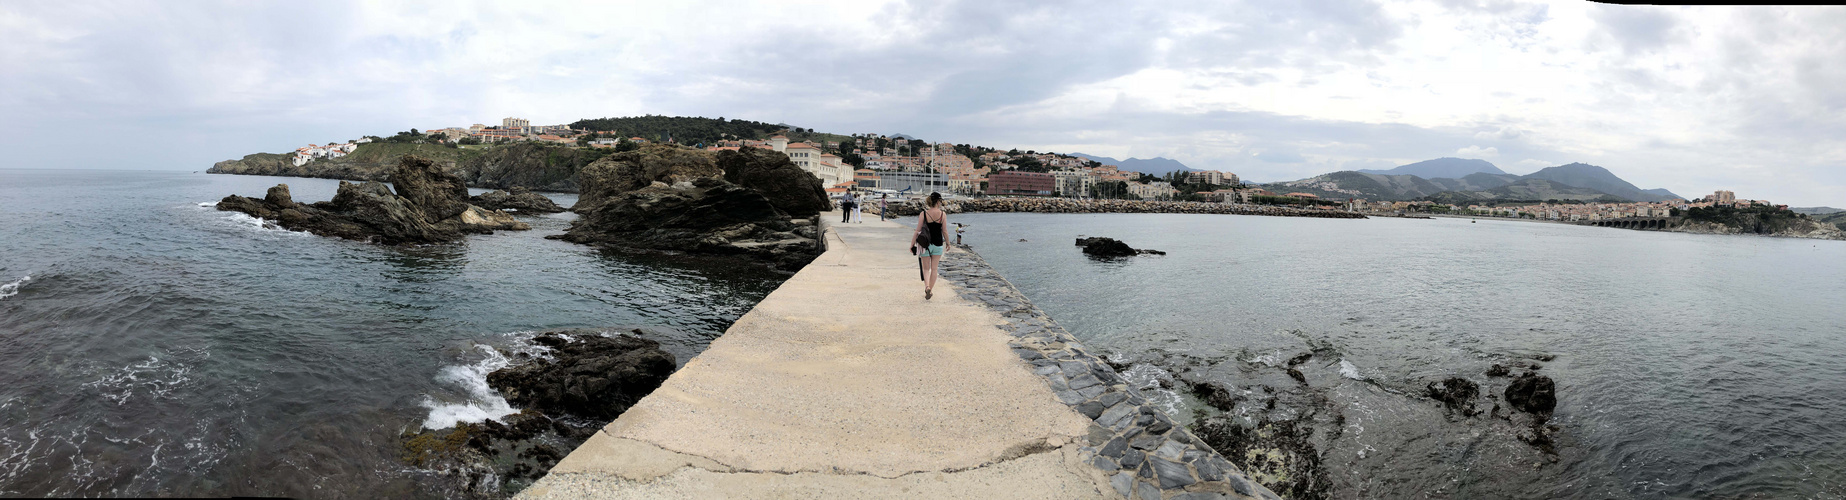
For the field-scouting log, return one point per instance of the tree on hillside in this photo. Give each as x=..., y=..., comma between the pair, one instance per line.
x=853, y=159
x=1027, y=164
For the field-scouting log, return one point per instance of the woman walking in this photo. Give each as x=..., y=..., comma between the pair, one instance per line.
x=930, y=224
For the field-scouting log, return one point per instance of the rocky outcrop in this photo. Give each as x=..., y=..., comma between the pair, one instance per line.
x=516, y=199
x=429, y=206
x=664, y=198
x=1455, y=393
x=532, y=165
x=774, y=176
x=589, y=375
x=1533, y=393
x=1109, y=248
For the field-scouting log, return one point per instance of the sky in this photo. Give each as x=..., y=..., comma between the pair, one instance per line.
x=1693, y=99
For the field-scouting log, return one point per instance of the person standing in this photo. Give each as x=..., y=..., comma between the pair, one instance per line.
x=884, y=205
x=930, y=224
x=846, y=204
x=856, y=209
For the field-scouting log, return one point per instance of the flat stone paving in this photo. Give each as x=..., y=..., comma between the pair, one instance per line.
x=845, y=382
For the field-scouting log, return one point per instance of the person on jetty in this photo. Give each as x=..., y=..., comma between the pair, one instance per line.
x=884, y=205
x=857, y=208
x=930, y=225
x=846, y=204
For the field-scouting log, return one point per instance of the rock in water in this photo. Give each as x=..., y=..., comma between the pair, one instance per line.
x=1532, y=393
x=430, y=206
x=674, y=199
x=590, y=375
x=517, y=198
x=1108, y=248
x=776, y=178
x=1456, y=393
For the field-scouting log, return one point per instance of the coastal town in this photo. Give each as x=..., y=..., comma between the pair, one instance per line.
x=904, y=165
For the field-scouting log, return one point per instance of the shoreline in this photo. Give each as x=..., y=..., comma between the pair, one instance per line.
x=1092, y=206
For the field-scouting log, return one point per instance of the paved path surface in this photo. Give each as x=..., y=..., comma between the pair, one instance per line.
x=845, y=382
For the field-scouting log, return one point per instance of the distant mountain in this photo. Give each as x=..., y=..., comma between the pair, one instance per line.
x=902, y=136
x=1575, y=181
x=1155, y=165
x=1663, y=192
x=1441, y=168
x=1524, y=190
x=1584, y=175
x=1817, y=210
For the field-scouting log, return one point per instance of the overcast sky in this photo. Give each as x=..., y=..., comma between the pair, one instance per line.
x=1690, y=99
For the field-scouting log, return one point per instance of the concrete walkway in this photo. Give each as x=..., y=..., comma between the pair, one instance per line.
x=845, y=382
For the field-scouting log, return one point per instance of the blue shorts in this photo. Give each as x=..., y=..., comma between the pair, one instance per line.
x=931, y=251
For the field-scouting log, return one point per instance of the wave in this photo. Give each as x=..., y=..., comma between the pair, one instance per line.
x=11, y=289
x=482, y=402
x=259, y=224
x=1349, y=371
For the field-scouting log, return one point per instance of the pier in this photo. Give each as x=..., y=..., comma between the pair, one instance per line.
x=845, y=382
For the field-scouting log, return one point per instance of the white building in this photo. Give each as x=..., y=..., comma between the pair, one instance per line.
x=1074, y=184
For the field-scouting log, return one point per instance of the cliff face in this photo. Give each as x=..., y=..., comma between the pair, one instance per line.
x=533, y=166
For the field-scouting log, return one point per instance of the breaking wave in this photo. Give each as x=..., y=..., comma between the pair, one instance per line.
x=11, y=289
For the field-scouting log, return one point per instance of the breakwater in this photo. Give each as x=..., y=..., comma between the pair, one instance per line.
x=974, y=394
x=1090, y=206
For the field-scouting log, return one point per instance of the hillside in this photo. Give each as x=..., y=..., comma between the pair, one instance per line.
x=1350, y=184
x=1441, y=168
x=536, y=166
x=1152, y=166
x=1590, y=176
x=1835, y=218
x=1817, y=210
x=1477, y=184
x=1524, y=190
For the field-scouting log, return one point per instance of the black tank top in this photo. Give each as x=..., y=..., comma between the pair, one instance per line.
x=935, y=230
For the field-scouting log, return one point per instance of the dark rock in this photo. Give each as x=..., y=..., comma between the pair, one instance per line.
x=1091, y=409
x=438, y=194
x=1300, y=358
x=518, y=199
x=593, y=377
x=1146, y=442
x=664, y=198
x=430, y=206
x=1456, y=393
x=1172, y=474
x=1115, y=448
x=788, y=187
x=1133, y=458
x=1498, y=370
x=1107, y=248
x=1532, y=393
x=1296, y=374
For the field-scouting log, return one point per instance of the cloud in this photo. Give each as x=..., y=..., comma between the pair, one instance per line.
x=1689, y=99
x=1477, y=152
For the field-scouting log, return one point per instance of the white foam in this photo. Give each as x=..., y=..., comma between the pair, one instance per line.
x=1349, y=371
x=259, y=224
x=208, y=204
x=11, y=289
x=483, y=402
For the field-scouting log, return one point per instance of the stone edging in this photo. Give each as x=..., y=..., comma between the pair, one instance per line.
x=1144, y=452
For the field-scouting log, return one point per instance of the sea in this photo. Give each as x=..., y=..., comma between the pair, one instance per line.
x=151, y=345
x=1686, y=365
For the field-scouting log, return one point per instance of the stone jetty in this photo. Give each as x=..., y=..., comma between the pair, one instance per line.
x=1092, y=206
x=975, y=394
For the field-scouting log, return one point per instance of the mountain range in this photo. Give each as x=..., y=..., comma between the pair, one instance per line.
x=1457, y=180
x=1451, y=168
x=1153, y=166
